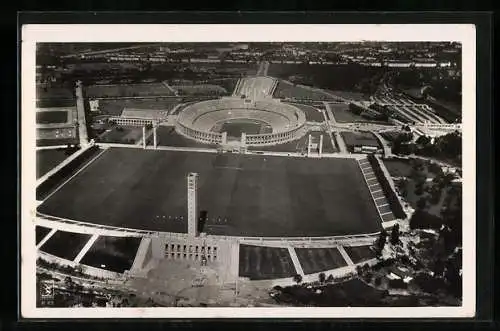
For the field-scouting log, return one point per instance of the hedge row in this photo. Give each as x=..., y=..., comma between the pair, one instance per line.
x=64, y=173
x=389, y=193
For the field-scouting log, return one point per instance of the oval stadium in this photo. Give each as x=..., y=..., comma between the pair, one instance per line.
x=263, y=122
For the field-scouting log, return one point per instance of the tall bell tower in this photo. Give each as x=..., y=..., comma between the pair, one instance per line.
x=192, y=203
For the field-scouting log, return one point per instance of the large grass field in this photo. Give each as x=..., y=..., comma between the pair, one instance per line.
x=253, y=194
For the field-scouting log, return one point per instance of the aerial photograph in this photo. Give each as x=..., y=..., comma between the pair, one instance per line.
x=249, y=174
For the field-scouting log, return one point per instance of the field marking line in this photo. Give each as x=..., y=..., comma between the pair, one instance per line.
x=86, y=248
x=380, y=190
x=74, y=175
x=389, y=212
x=385, y=204
x=295, y=261
x=379, y=197
x=346, y=256
x=371, y=185
x=46, y=238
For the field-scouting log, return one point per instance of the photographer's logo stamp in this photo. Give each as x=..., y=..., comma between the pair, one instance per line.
x=46, y=292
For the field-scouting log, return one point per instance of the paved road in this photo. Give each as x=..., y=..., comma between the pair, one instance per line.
x=330, y=112
x=384, y=143
x=80, y=107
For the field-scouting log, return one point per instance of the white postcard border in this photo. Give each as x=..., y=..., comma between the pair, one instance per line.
x=31, y=34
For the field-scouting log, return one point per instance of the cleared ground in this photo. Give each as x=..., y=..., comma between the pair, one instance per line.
x=254, y=195
x=315, y=260
x=112, y=253
x=51, y=117
x=65, y=244
x=359, y=253
x=258, y=262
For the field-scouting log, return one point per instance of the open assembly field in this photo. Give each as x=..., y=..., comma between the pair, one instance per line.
x=47, y=159
x=249, y=195
x=258, y=262
x=112, y=253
